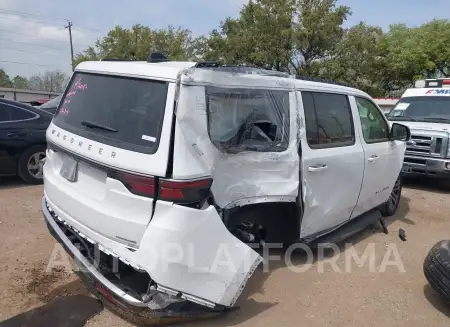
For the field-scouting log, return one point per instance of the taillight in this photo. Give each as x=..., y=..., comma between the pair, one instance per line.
x=169, y=190
x=184, y=191
x=139, y=185
x=446, y=82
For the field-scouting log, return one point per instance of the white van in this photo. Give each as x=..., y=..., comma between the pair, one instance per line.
x=170, y=168
x=425, y=109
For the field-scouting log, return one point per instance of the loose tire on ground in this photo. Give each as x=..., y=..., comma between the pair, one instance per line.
x=23, y=170
x=436, y=268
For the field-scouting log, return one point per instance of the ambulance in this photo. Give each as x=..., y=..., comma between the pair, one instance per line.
x=425, y=109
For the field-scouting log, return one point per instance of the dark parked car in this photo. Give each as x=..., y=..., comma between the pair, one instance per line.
x=51, y=105
x=22, y=140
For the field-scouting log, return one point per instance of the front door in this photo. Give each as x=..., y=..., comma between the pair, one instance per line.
x=381, y=160
x=332, y=162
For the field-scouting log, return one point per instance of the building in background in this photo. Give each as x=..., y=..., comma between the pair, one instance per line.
x=386, y=104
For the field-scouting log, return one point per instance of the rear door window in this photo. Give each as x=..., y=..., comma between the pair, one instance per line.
x=329, y=120
x=119, y=111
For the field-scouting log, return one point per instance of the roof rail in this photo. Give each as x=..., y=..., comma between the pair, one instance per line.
x=320, y=80
x=243, y=69
x=116, y=59
x=207, y=64
x=155, y=57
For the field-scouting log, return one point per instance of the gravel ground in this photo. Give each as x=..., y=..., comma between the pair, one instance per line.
x=319, y=296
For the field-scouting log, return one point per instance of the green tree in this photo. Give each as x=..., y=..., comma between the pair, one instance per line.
x=5, y=80
x=51, y=81
x=20, y=82
x=435, y=43
x=317, y=32
x=280, y=34
x=135, y=43
x=355, y=60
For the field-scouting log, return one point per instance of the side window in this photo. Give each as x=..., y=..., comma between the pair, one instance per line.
x=248, y=119
x=21, y=114
x=329, y=121
x=4, y=113
x=374, y=126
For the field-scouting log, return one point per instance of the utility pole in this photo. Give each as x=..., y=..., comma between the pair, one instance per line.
x=69, y=26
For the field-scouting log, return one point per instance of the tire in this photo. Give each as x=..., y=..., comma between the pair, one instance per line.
x=389, y=208
x=436, y=268
x=30, y=158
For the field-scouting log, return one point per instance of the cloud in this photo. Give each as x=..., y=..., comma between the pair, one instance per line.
x=30, y=46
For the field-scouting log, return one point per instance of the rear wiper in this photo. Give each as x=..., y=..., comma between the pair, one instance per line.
x=95, y=125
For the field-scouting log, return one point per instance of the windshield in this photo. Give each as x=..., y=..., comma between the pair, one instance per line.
x=52, y=103
x=123, y=112
x=423, y=108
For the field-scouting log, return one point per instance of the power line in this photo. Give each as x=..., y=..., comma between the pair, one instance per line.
x=34, y=21
x=31, y=44
x=20, y=13
x=29, y=51
x=26, y=63
x=28, y=34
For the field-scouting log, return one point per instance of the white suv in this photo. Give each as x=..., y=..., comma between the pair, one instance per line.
x=168, y=170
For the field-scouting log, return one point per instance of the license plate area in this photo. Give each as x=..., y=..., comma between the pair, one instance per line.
x=69, y=169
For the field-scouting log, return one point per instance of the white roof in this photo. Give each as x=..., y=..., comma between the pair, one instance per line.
x=419, y=92
x=328, y=87
x=169, y=71
x=162, y=70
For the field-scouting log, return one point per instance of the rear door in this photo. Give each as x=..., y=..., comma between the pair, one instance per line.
x=16, y=132
x=332, y=162
x=109, y=140
x=382, y=159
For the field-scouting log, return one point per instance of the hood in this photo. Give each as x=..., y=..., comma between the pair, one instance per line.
x=415, y=125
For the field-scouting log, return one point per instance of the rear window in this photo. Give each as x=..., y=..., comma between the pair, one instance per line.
x=123, y=112
x=248, y=119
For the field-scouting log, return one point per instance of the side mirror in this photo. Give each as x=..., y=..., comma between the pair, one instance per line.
x=399, y=132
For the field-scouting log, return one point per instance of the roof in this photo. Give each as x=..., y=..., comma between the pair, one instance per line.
x=169, y=70
x=326, y=87
x=418, y=92
x=163, y=70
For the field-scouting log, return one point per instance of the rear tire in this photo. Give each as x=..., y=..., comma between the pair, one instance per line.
x=389, y=208
x=436, y=268
x=30, y=168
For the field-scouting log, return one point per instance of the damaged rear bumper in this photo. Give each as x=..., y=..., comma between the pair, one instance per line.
x=164, y=302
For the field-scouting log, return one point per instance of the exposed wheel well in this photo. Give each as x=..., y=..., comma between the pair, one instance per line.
x=279, y=220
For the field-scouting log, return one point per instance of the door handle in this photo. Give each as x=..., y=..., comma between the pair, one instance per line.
x=372, y=158
x=318, y=167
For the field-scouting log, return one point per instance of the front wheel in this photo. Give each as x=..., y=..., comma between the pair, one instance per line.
x=390, y=207
x=31, y=164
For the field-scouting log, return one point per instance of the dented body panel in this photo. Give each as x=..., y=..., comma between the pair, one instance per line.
x=240, y=177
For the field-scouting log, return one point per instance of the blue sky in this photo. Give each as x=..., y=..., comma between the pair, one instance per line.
x=40, y=38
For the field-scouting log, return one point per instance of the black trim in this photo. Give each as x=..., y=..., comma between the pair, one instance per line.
x=169, y=171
